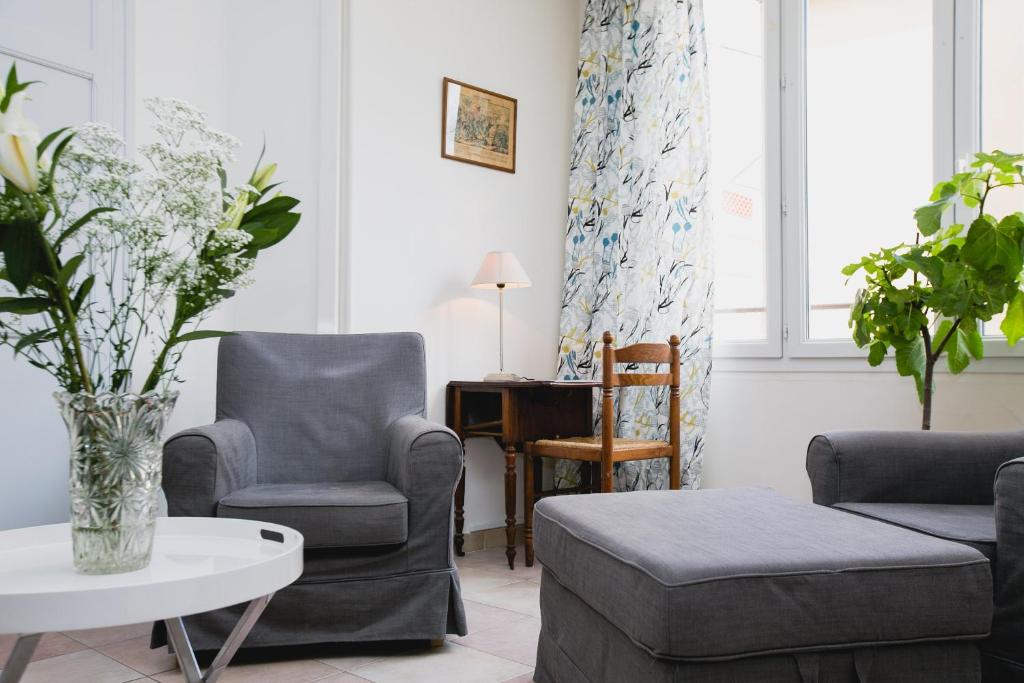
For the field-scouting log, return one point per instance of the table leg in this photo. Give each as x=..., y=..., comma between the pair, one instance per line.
x=510, y=505
x=19, y=658
x=186, y=656
x=460, y=518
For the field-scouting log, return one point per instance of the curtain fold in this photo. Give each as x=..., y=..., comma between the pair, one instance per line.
x=638, y=237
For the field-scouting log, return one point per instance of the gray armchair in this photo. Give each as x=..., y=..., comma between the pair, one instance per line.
x=964, y=487
x=326, y=434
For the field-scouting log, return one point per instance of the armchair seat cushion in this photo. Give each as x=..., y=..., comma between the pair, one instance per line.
x=328, y=515
x=973, y=525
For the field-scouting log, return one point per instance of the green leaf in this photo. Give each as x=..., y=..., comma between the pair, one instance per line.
x=68, y=271
x=34, y=338
x=48, y=140
x=929, y=266
x=276, y=205
x=994, y=249
x=200, y=334
x=876, y=354
x=23, y=254
x=27, y=305
x=910, y=362
x=1013, y=324
x=82, y=293
x=929, y=216
x=59, y=150
x=77, y=225
x=958, y=356
x=268, y=232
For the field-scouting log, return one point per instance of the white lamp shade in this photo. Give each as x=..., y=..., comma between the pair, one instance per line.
x=501, y=268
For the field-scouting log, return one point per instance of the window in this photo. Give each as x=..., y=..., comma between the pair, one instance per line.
x=1002, y=98
x=863, y=108
x=737, y=60
x=868, y=106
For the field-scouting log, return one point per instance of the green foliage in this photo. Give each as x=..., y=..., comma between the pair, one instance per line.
x=925, y=299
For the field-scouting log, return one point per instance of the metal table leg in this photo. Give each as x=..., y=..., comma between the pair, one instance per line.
x=19, y=658
x=187, y=657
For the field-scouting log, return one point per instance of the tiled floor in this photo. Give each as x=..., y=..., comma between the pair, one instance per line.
x=502, y=609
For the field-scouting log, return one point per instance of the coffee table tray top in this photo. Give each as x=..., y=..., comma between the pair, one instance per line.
x=199, y=564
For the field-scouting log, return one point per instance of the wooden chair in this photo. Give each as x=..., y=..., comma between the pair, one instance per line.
x=607, y=449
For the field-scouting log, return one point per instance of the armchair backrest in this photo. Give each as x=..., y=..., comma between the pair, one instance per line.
x=318, y=405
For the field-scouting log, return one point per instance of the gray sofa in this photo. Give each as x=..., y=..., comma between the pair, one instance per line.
x=965, y=487
x=326, y=434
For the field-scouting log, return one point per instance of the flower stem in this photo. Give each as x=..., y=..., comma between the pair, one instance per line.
x=70, y=320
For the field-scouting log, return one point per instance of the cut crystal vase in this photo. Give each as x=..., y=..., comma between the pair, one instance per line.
x=116, y=465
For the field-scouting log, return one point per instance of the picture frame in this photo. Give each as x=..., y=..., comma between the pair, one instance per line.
x=478, y=126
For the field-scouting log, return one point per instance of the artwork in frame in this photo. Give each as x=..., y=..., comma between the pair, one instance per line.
x=478, y=126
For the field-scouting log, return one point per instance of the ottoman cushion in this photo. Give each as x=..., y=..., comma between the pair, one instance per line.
x=723, y=574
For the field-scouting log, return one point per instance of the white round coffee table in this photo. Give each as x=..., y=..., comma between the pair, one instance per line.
x=199, y=564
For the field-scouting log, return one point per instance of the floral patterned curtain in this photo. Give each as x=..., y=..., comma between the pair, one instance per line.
x=638, y=239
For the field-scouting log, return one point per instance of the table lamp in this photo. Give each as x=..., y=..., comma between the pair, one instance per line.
x=501, y=270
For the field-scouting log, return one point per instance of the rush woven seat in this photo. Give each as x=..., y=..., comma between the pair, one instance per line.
x=589, y=448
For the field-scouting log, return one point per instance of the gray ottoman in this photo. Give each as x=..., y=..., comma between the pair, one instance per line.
x=740, y=585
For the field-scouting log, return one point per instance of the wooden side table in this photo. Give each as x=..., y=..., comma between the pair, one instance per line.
x=512, y=413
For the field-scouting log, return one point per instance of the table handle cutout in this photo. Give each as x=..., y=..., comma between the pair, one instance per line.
x=269, y=535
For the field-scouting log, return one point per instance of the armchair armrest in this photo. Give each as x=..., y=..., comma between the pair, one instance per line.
x=424, y=462
x=956, y=468
x=204, y=464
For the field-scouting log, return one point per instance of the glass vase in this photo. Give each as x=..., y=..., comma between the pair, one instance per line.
x=116, y=466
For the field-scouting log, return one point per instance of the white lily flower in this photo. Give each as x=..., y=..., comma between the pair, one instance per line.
x=18, y=140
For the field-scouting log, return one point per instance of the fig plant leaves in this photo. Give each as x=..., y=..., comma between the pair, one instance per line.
x=925, y=300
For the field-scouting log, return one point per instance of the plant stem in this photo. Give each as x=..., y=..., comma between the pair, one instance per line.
x=158, y=365
x=70, y=319
x=929, y=369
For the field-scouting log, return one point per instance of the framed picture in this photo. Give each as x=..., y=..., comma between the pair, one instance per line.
x=478, y=126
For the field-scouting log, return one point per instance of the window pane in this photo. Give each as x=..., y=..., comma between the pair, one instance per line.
x=1002, y=100
x=735, y=32
x=869, y=140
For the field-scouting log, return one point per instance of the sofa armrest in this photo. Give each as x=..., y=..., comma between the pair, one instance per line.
x=1008, y=569
x=955, y=468
x=425, y=463
x=204, y=464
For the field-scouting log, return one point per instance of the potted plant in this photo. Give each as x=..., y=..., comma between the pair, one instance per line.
x=105, y=261
x=925, y=300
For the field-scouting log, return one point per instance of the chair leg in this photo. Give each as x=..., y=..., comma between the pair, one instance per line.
x=528, y=498
x=607, y=470
x=674, y=472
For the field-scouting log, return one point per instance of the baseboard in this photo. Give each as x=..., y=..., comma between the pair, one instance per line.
x=488, y=538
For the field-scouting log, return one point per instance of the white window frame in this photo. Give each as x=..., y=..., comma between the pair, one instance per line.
x=956, y=93
x=771, y=345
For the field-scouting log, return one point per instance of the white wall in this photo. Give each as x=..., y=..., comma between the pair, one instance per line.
x=420, y=224
x=253, y=66
x=761, y=422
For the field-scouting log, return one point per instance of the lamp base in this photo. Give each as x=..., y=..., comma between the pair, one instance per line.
x=501, y=377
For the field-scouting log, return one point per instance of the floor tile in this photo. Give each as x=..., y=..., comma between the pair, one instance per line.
x=522, y=597
x=136, y=653
x=451, y=663
x=294, y=671
x=525, y=678
x=474, y=580
x=98, y=637
x=83, y=666
x=516, y=641
x=50, y=645
x=481, y=617
x=342, y=677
